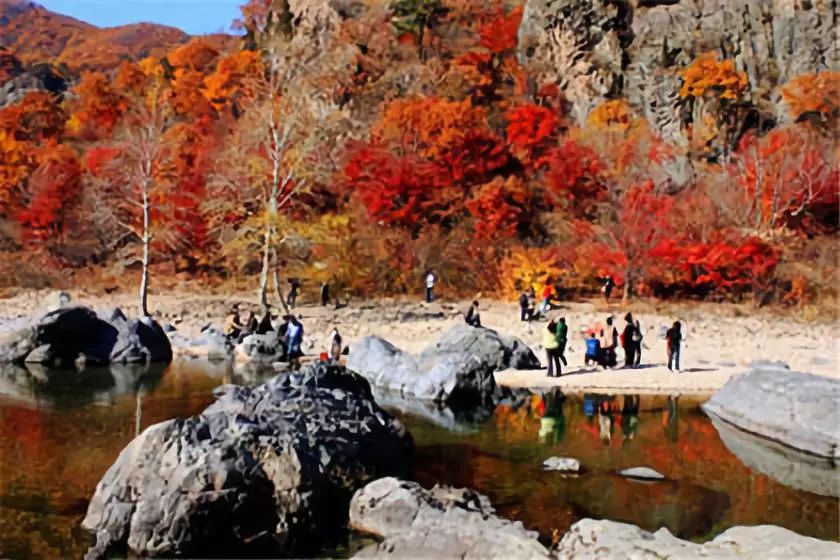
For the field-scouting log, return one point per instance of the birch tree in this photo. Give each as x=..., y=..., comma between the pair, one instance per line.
x=130, y=177
x=272, y=155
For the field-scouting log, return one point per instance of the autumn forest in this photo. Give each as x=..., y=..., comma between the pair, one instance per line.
x=363, y=147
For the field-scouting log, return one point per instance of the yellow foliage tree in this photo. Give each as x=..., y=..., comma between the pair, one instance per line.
x=528, y=267
x=709, y=75
x=611, y=113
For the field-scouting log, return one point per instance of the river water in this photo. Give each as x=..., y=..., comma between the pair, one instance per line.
x=56, y=443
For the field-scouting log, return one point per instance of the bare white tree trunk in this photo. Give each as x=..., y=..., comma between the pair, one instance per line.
x=144, y=281
x=263, y=293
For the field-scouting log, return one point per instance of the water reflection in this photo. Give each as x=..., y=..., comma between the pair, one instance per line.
x=36, y=386
x=56, y=444
x=708, y=488
x=552, y=423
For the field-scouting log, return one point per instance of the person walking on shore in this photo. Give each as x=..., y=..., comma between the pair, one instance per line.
x=674, y=339
x=293, y=292
x=562, y=333
x=524, y=304
x=550, y=344
x=609, y=284
x=610, y=344
x=627, y=341
x=637, y=343
x=430, y=286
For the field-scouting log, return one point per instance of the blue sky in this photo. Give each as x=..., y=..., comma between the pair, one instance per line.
x=193, y=16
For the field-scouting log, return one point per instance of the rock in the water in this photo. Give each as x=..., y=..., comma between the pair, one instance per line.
x=642, y=473
x=439, y=523
x=456, y=370
x=590, y=539
x=564, y=464
x=791, y=408
x=63, y=337
x=265, y=470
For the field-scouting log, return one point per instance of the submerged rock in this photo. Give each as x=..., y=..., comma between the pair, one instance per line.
x=265, y=470
x=439, y=523
x=564, y=464
x=457, y=370
x=642, y=473
x=795, y=409
x=591, y=539
x=72, y=335
x=792, y=468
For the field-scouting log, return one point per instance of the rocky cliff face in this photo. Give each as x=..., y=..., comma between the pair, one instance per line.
x=600, y=49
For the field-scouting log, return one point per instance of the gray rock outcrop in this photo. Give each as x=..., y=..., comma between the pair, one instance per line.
x=439, y=523
x=600, y=49
x=72, y=336
x=265, y=470
x=457, y=370
x=799, y=410
x=590, y=539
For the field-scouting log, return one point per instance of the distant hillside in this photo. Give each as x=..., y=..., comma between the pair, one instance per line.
x=35, y=34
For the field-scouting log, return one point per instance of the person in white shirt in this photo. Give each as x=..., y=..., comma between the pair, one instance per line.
x=334, y=344
x=430, y=287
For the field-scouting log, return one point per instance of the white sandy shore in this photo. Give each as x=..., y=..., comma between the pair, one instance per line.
x=716, y=347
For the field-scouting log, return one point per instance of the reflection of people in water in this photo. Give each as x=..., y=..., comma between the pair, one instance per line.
x=589, y=405
x=553, y=423
x=670, y=419
x=605, y=419
x=630, y=417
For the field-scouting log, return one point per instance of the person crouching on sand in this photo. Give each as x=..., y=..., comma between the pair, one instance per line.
x=473, y=318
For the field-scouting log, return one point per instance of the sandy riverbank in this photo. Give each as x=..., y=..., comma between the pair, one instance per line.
x=716, y=346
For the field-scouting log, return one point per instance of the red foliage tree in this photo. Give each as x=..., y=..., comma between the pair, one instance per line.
x=52, y=191
x=531, y=130
x=396, y=190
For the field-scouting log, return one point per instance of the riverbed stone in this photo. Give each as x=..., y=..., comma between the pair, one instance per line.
x=642, y=473
x=266, y=470
x=456, y=370
x=211, y=344
x=564, y=464
x=60, y=337
x=798, y=410
x=443, y=522
x=591, y=539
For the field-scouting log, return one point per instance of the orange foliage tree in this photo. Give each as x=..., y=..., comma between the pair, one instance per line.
x=815, y=97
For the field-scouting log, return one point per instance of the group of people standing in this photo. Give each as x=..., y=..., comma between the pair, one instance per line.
x=602, y=344
x=290, y=331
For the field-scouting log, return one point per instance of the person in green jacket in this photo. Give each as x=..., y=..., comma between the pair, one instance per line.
x=550, y=345
x=562, y=338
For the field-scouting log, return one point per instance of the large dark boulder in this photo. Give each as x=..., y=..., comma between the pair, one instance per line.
x=457, y=370
x=68, y=336
x=443, y=522
x=798, y=410
x=266, y=470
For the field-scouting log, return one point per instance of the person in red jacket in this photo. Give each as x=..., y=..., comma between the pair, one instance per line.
x=545, y=296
